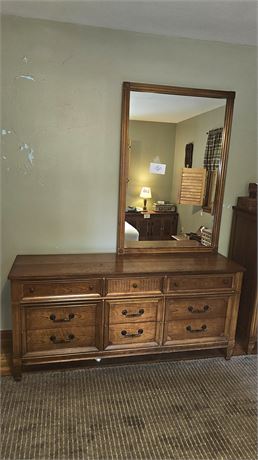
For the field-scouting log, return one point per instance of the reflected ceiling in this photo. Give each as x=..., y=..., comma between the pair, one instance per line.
x=168, y=108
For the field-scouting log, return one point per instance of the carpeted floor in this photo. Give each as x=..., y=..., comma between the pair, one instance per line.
x=202, y=409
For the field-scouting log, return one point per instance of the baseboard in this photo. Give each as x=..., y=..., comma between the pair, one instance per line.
x=6, y=352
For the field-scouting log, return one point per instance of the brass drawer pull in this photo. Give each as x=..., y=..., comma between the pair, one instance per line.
x=203, y=328
x=205, y=308
x=135, y=285
x=127, y=334
x=31, y=290
x=54, y=339
x=131, y=315
x=175, y=284
x=62, y=320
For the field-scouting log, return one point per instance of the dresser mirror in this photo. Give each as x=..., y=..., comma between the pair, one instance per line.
x=174, y=149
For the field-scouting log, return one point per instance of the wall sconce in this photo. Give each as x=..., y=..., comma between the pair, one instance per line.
x=145, y=193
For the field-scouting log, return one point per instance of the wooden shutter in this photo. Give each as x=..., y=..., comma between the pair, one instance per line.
x=192, y=186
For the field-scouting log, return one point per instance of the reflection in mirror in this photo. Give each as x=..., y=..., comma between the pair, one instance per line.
x=174, y=155
x=174, y=151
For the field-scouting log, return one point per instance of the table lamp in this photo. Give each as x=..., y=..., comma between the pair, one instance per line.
x=145, y=193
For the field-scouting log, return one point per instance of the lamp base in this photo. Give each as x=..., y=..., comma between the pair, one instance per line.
x=144, y=205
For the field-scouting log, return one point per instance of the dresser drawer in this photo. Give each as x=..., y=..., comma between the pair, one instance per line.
x=192, y=308
x=189, y=329
x=64, y=338
x=135, y=311
x=199, y=282
x=62, y=316
x=131, y=335
x=92, y=287
x=118, y=286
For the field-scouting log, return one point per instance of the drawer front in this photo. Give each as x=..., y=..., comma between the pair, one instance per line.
x=135, y=311
x=91, y=287
x=118, y=286
x=192, y=308
x=61, y=317
x=193, y=329
x=132, y=335
x=67, y=338
x=197, y=283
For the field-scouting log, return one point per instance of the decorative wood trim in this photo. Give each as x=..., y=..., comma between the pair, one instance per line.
x=179, y=90
x=124, y=157
x=221, y=176
x=219, y=193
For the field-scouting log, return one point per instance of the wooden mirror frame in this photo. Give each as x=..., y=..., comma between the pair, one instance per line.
x=229, y=97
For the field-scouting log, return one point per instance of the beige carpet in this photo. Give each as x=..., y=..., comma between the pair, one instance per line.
x=199, y=410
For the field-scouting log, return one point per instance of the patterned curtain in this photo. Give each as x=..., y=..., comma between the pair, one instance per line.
x=213, y=149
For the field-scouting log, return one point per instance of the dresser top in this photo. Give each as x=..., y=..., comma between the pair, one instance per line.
x=57, y=266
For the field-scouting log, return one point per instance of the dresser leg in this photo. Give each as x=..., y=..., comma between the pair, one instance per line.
x=250, y=346
x=17, y=369
x=229, y=351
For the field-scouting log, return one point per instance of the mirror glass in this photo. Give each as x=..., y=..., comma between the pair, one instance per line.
x=166, y=134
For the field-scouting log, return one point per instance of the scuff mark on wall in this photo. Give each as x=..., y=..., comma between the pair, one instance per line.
x=23, y=147
x=4, y=131
x=29, y=152
x=25, y=59
x=26, y=77
x=67, y=59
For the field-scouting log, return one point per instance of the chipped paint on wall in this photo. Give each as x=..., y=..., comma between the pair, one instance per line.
x=67, y=59
x=26, y=77
x=24, y=147
x=29, y=152
x=4, y=131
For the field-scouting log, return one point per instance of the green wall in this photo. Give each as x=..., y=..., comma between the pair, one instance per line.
x=66, y=200
x=149, y=140
x=193, y=130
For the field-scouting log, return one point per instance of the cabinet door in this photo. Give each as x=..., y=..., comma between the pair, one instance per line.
x=144, y=229
x=156, y=228
x=164, y=226
x=169, y=226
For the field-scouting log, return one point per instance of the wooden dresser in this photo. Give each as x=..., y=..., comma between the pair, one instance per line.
x=158, y=225
x=77, y=307
x=243, y=249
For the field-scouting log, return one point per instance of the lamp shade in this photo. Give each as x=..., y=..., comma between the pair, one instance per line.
x=145, y=192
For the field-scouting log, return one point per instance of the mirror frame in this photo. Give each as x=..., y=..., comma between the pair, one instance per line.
x=229, y=97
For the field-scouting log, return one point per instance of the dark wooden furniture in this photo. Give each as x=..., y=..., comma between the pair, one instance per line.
x=243, y=249
x=158, y=225
x=77, y=307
